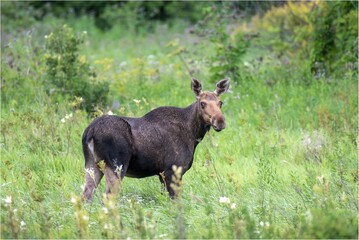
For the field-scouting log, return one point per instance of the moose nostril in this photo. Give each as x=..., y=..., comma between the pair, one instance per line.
x=218, y=124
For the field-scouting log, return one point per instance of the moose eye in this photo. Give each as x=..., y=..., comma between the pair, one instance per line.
x=203, y=104
x=220, y=104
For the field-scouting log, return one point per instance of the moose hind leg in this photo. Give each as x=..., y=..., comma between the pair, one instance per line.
x=93, y=173
x=113, y=181
x=92, y=179
x=116, y=171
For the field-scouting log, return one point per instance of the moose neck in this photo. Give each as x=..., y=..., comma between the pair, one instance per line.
x=196, y=123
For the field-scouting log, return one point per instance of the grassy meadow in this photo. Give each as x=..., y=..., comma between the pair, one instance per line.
x=286, y=166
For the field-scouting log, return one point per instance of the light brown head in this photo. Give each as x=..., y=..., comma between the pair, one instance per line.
x=210, y=103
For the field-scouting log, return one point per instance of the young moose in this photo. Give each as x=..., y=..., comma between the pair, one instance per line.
x=152, y=144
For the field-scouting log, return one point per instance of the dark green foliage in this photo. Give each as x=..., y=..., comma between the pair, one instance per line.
x=101, y=10
x=21, y=14
x=69, y=74
x=335, y=44
x=228, y=54
x=109, y=14
x=329, y=223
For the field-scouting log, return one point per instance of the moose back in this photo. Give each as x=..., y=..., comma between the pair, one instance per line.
x=152, y=144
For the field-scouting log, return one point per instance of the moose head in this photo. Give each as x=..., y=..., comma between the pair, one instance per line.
x=210, y=104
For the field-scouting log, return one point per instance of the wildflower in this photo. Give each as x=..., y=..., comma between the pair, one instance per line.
x=73, y=200
x=136, y=101
x=22, y=225
x=110, y=113
x=308, y=216
x=105, y=210
x=264, y=224
x=123, y=64
x=8, y=200
x=233, y=206
x=224, y=200
x=85, y=217
x=321, y=179
x=68, y=116
x=106, y=226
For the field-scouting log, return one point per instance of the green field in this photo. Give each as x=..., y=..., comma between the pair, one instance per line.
x=286, y=166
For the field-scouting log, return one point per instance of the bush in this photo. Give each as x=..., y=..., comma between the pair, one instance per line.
x=324, y=32
x=335, y=33
x=289, y=27
x=229, y=51
x=68, y=73
x=329, y=224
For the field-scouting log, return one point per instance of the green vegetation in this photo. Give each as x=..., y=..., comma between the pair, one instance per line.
x=286, y=166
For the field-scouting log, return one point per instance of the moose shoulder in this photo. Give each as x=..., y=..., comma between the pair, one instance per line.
x=150, y=145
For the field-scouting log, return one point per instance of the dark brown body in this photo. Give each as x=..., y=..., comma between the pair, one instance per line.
x=150, y=145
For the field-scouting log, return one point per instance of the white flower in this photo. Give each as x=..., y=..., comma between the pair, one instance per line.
x=68, y=116
x=73, y=200
x=224, y=200
x=85, y=217
x=63, y=120
x=22, y=224
x=233, y=206
x=123, y=64
x=110, y=113
x=136, y=101
x=105, y=226
x=105, y=210
x=8, y=200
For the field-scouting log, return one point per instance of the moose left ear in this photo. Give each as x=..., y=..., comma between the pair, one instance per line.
x=222, y=86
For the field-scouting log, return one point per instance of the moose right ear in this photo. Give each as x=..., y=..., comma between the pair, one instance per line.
x=196, y=87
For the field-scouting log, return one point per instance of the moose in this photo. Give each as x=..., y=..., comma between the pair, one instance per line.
x=152, y=144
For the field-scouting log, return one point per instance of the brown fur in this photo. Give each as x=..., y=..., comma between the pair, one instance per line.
x=150, y=145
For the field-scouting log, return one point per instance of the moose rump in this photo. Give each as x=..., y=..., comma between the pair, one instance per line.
x=116, y=150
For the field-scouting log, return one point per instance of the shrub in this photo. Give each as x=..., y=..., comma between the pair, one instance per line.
x=329, y=224
x=68, y=73
x=229, y=51
x=324, y=32
x=335, y=33
x=288, y=25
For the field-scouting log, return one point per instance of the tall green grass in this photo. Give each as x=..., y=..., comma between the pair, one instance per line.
x=285, y=166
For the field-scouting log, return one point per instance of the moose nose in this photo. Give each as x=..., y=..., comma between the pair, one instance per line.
x=218, y=124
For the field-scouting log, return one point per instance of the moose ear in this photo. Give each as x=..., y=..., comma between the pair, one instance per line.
x=196, y=87
x=222, y=86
